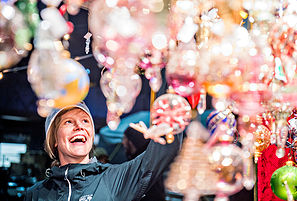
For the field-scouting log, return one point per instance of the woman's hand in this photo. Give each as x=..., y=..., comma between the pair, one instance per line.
x=155, y=132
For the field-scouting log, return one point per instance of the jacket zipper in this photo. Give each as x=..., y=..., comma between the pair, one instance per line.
x=69, y=184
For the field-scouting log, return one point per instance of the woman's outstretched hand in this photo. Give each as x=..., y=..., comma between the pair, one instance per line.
x=155, y=132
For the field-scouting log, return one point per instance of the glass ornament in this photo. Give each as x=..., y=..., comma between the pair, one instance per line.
x=201, y=107
x=64, y=81
x=218, y=61
x=73, y=6
x=252, y=76
x=31, y=14
x=182, y=69
x=262, y=14
x=228, y=162
x=182, y=23
x=215, y=118
x=112, y=40
x=14, y=36
x=280, y=112
x=206, y=21
x=152, y=62
x=261, y=140
x=155, y=80
x=120, y=90
x=292, y=121
x=173, y=110
x=194, y=100
x=229, y=10
x=286, y=174
x=112, y=120
x=190, y=173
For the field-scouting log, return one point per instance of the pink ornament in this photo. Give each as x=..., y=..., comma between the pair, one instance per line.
x=120, y=30
x=182, y=70
x=173, y=110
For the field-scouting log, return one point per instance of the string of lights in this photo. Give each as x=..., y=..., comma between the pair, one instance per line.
x=21, y=68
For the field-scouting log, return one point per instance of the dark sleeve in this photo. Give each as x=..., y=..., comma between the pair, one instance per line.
x=131, y=180
x=28, y=196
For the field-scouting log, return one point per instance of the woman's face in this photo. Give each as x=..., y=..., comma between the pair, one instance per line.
x=74, y=137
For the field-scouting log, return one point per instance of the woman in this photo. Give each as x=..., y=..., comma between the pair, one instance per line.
x=77, y=176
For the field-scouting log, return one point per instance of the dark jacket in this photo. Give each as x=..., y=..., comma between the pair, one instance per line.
x=106, y=182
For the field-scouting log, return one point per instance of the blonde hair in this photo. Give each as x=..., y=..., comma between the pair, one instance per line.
x=51, y=138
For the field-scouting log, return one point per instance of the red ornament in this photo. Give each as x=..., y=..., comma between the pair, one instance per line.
x=70, y=27
x=173, y=110
x=63, y=9
x=194, y=99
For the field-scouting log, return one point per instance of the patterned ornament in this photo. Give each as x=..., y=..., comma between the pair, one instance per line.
x=217, y=117
x=173, y=110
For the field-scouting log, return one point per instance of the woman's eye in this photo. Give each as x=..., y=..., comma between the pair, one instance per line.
x=86, y=121
x=68, y=122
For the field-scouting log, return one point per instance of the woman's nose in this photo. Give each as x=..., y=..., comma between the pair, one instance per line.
x=78, y=125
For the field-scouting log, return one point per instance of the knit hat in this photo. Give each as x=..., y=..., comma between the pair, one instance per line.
x=136, y=138
x=50, y=120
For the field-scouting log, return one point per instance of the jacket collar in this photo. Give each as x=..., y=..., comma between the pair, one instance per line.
x=76, y=171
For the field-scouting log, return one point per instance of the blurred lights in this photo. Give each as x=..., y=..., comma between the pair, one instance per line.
x=159, y=41
x=111, y=3
x=156, y=5
x=66, y=37
x=8, y=12
x=112, y=45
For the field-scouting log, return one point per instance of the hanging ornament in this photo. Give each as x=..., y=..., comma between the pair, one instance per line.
x=190, y=174
x=64, y=81
x=215, y=118
x=88, y=40
x=280, y=112
x=14, y=34
x=173, y=110
x=252, y=76
x=206, y=21
x=120, y=89
x=226, y=160
x=112, y=120
x=201, y=107
x=262, y=14
x=152, y=62
x=73, y=6
x=194, y=100
x=261, y=140
x=182, y=20
x=283, y=181
x=229, y=11
x=182, y=69
x=218, y=63
x=30, y=12
x=112, y=40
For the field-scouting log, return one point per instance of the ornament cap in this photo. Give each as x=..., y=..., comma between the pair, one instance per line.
x=290, y=163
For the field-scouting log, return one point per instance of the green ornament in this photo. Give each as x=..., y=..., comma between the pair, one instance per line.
x=22, y=37
x=278, y=178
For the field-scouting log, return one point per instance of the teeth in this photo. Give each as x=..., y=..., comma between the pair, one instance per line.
x=78, y=137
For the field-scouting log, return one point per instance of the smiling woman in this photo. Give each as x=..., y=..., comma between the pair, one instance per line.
x=64, y=127
x=75, y=175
